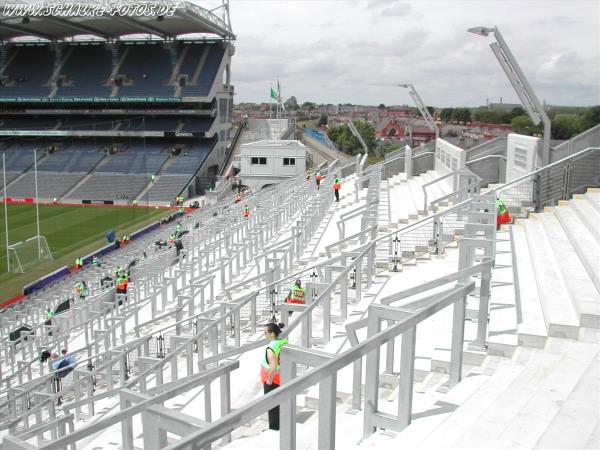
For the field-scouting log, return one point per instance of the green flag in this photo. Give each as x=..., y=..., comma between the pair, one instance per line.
x=274, y=95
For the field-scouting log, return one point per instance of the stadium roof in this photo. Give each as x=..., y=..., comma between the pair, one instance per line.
x=20, y=20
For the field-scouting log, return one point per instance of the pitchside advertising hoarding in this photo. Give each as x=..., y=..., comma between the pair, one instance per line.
x=89, y=99
x=17, y=200
x=178, y=134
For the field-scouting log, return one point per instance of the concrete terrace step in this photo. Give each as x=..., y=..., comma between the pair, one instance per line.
x=587, y=214
x=559, y=313
x=527, y=407
x=574, y=424
x=581, y=239
x=502, y=335
x=532, y=330
x=582, y=291
x=593, y=196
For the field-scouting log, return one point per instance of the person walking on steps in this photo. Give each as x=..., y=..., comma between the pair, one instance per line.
x=246, y=212
x=318, y=179
x=336, y=188
x=269, y=371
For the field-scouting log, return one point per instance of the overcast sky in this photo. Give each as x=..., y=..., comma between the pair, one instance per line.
x=354, y=51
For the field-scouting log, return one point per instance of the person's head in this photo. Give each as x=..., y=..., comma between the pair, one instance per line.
x=64, y=351
x=298, y=283
x=272, y=330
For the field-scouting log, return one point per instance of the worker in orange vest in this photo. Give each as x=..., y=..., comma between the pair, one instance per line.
x=336, y=188
x=318, y=179
x=246, y=211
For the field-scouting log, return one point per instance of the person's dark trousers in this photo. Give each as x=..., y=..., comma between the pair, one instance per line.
x=273, y=413
x=337, y=195
x=318, y=184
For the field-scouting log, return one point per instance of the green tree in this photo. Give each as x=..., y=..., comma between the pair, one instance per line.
x=344, y=138
x=489, y=116
x=523, y=125
x=308, y=105
x=381, y=106
x=565, y=127
x=431, y=110
x=322, y=120
x=591, y=117
x=447, y=114
x=462, y=115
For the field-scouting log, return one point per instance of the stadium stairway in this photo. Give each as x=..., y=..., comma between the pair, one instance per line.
x=560, y=247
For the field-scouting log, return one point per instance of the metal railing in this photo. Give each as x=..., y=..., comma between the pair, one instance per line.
x=556, y=181
x=325, y=374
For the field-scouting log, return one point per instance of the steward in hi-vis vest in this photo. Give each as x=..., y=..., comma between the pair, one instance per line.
x=269, y=370
x=336, y=188
x=502, y=215
x=296, y=294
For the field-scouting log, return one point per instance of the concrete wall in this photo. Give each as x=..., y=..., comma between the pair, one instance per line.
x=522, y=155
x=448, y=157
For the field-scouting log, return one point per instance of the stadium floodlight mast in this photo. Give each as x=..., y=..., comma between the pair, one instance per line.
x=530, y=102
x=422, y=109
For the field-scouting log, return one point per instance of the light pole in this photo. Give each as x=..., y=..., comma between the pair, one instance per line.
x=422, y=109
x=530, y=102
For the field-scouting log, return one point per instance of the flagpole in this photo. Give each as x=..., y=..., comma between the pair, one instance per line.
x=5, y=211
x=37, y=205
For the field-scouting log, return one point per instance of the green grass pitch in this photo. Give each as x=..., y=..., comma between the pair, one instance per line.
x=71, y=231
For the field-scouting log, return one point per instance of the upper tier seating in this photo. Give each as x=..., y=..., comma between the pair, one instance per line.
x=149, y=67
x=88, y=68
x=23, y=79
x=207, y=75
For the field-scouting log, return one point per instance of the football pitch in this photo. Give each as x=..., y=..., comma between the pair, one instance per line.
x=71, y=231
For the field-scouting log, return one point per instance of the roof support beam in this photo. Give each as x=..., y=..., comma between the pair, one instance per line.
x=24, y=31
x=76, y=26
x=143, y=27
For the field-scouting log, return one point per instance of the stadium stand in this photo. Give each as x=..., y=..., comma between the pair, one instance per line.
x=109, y=186
x=197, y=124
x=148, y=68
x=19, y=80
x=201, y=87
x=86, y=69
x=173, y=179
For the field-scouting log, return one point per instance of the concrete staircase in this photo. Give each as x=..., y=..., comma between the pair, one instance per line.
x=539, y=399
x=557, y=254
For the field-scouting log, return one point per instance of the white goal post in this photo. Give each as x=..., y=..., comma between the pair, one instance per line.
x=24, y=254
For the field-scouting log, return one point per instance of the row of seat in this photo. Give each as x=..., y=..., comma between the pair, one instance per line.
x=147, y=69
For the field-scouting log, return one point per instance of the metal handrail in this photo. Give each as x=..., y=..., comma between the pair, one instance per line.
x=226, y=424
x=545, y=168
x=502, y=157
x=476, y=184
x=454, y=174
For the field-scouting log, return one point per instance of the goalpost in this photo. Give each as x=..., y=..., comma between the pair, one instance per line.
x=23, y=255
